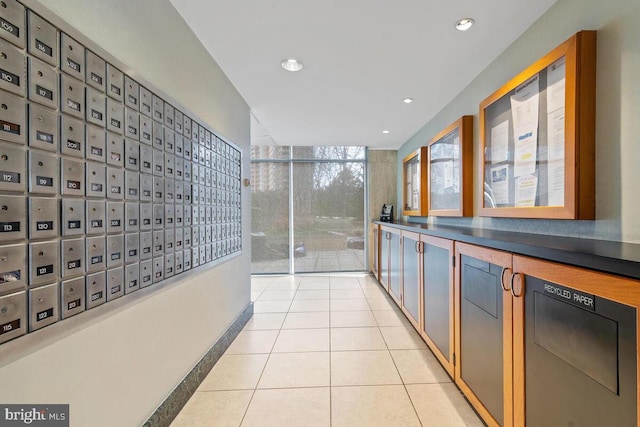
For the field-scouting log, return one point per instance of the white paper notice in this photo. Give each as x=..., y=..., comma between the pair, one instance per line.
x=456, y=148
x=500, y=142
x=526, y=187
x=555, y=183
x=448, y=174
x=556, y=85
x=525, y=107
x=500, y=184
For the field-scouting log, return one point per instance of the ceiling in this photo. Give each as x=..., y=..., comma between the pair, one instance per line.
x=361, y=59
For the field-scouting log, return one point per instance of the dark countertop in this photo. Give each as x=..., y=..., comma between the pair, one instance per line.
x=602, y=255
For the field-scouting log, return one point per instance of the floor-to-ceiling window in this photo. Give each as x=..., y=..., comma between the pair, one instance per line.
x=308, y=209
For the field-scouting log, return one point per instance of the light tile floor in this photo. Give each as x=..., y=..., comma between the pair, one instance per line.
x=326, y=350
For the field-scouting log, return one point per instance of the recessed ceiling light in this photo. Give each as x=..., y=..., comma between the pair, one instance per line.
x=386, y=131
x=464, y=24
x=407, y=100
x=291, y=64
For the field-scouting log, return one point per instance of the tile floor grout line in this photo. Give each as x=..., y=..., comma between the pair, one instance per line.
x=330, y=357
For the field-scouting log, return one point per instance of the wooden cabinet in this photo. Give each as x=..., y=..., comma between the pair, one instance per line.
x=437, y=298
x=414, y=183
x=483, y=336
x=390, y=260
x=374, y=242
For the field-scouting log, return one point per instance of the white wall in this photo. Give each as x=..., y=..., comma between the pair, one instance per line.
x=115, y=364
x=617, y=123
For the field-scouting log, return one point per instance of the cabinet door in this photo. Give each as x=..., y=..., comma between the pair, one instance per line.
x=411, y=277
x=484, y=336
x=395, y=285
x=385, y=238
x=437, y=298
x=373, y=249
x=575, y=333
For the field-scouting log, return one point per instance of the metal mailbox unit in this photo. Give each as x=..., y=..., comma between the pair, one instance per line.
x=106, y=187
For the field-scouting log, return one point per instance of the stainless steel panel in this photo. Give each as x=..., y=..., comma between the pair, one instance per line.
x=146, y=130
x=158, y=162
x=131, y=248
x=202, y=138
x=13, y=222
x=178, y=168
x=202, y=234
x=208, y=195
x=158, y=136
x=202, y=198
x=186, y=168
x=96, y=107
x=169, y=215
x=44, y=263
x=115, y=83
x=96, y=143
x=115, y=116
x=43, y=173
x=195, y=194
x=43, y=217
x=146, y=159
x=115, y=183
x=146, y=188
x=179, y=121
x=186, y=260
x=195, y=175
x=186, y=128
x=179, y=145
x=43, y=128
x=12, y=23
x=96, y=216
x=72, y=255
x=207, y=158
x=43, y=39
x=169, y=265
x=169, y=165
x=187, y=215
x=195, y=215
x=208, y=254
x=72, y=97
x=115, y=283
x=132, y=155
x=178, y=239
x=96, y=179
x=13, y=68
x=72, y=217
x=158, y=189
x=115, y=217
x=158, y=269
x=115, y=250
x=72, y=57
x=13, y=163
x=115, y=149
x=195, y=152
x=169, y=140
x=44, y=307
x=96, y=289
x=169, y=241
x=13, y=316
x=132, y=185
x=195, y=256
x=96, y=71
x=131, y=278
x=146, y=216
x=207, y=234
x=13, y=118
x=146, y=102
x=179, y=260
x=195, y=235
x=195, y=131
x=207, y=139
x=146, y=245
x=179, y=192
x=72, y=177
x=13, y=267
x=158, y=243
x=131, y=93
x=202, y=155
x=169, y=190
x=146, y=273
x=132, y=216
x=158, y=109
x=96, y=254
x=169, y=116
x=72, y=297
x=202, y=212
x=158, y=216
x=132, y=123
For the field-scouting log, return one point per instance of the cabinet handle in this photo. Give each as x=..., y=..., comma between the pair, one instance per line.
x=521, y=285
x=502, y=282
x=417, y=247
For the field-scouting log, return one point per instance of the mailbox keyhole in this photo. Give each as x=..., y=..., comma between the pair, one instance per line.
x=70, y=209
x=93, y=246
x=4, y=310
x=5, y=207
x=40, y=253
x=70, y=47
x=70, y=249
x=40, y=164
x=70, y=128
x=70, y=290
x=40, y=119
x=4, y=5
x=93, y=173
x=70, y=89
x=39, y=73
x=40, y=300
x=4, y=106
x=5, y=157
x=4, y=55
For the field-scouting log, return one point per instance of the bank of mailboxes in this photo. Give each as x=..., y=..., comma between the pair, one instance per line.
x=105, y=188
